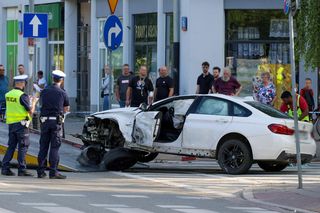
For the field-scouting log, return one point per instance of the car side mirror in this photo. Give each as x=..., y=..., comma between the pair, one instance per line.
x=143, y=107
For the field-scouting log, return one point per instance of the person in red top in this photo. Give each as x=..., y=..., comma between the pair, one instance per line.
x=307, y=93
x=302, y=106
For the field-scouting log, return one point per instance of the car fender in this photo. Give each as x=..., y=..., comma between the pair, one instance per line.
x=123, y=117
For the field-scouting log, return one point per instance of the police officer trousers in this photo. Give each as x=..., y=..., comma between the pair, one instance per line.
x=51, y=133
x=18, y=136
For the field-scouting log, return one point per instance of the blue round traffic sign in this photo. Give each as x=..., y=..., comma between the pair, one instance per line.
x=113, y=32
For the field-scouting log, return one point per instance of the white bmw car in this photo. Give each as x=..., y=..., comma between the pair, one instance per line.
x=235, y=131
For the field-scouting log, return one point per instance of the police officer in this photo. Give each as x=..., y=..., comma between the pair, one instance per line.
x=54, y=103
x=18, y=114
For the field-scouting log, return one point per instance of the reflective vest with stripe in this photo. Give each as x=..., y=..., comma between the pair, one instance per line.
x=15, y=112
x=299, y=111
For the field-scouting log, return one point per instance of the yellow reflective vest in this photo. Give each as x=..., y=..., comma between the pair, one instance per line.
x=15, y=112
x=299, y=111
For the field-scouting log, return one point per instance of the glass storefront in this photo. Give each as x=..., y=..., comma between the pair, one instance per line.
x=257, y=41
x=56, y=51
x=145, y=43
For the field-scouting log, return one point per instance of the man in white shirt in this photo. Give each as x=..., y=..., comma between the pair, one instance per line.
x=40, y=83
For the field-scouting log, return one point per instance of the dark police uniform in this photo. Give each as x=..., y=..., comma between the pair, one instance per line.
x=18, y=119
x=52, y=99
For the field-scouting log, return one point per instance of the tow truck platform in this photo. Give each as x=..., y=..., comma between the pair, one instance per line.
x=68, y=152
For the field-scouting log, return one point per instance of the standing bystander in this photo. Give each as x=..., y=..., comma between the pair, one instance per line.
x=4, y=84
x=266, y=92
x=106, y=86
x=204, y=81
x=122, y=85
x=140, y=89
x=164, y=85
x=227, y=84
x=307, y=93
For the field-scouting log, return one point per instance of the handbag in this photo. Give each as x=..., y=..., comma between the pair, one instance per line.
x=102, y=93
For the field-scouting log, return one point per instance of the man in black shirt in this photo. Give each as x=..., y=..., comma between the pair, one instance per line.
x=122, y=85
x=204, y=82
x=164, y=85
x=140, y=89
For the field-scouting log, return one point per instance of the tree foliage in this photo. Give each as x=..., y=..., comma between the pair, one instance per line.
x=308, y=27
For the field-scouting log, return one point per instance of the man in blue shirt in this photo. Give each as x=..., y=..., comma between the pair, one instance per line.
x=54, y=103
x=4, y=83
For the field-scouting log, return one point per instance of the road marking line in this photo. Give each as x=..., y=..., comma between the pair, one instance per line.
x=175, y=207
x=194, y=211
x=175, y=184
x=58, y=209
x=5, y=211
x=67, y=195
x=247, y=208
x=128, y=210
x=110, y=205
x=262, y=211
x=193, y=198
x=130, y=196
x=9, y=193
x=39, y=204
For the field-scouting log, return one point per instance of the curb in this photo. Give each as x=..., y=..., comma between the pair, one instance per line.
x=248, y=195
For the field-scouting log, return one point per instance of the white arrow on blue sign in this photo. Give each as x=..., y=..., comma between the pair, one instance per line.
x=35, y=25
x=113, y=32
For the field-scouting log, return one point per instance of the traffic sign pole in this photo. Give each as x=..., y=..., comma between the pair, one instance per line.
x=293, y=92
x=110, y=76
x=31, y=49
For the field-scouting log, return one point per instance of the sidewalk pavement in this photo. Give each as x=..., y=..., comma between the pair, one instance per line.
x=297, y=200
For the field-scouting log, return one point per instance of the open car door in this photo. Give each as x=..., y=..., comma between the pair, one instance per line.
x=147, y=127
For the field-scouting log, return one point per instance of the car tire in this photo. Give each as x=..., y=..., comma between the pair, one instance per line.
x=118, y=159
x=235, y=157
x=272, y=166
x=145, y=157
x=90, y=156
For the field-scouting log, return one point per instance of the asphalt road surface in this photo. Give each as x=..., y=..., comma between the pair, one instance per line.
x=197, y=187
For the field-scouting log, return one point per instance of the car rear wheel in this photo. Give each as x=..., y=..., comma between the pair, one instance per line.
x=273, y=166
x=145, y=157
x=235, y=157
x=118, y=159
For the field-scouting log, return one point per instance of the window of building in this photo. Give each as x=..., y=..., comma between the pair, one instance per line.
x=56, y=51
x=12, y=42
x=145, y=42
x=257, y=41
x=169, y=41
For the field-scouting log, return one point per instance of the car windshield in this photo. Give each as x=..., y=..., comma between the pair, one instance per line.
x=268, y=110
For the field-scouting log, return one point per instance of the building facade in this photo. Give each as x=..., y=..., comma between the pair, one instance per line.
x=250, y=36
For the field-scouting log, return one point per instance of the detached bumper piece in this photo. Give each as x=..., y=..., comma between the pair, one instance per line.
x=292, y=158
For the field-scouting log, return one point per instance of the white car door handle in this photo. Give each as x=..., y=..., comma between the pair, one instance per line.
x=222, y=121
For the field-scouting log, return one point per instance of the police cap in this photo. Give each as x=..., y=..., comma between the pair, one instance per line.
x=58, y=74
x=20, y=78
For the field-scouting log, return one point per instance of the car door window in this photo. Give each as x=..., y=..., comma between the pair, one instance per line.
x=213, y=106
x=240, y=111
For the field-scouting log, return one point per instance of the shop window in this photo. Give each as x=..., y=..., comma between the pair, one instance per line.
x=145, y=43
x=257, y=41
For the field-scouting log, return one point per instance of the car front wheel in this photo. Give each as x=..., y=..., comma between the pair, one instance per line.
x=235, y=157
x=273, y=166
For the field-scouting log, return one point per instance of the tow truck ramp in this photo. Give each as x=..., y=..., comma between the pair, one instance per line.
x=69, y=153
